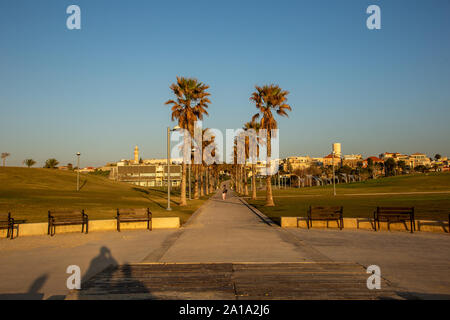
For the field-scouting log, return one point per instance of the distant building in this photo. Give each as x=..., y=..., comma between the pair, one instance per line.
x=147, y=175
x=412, y=161
x=136, y=155
x=337, y=150
x=330, y=159
x=296, y=163
x=351, y=160
x=419, y=159
x=86, y=170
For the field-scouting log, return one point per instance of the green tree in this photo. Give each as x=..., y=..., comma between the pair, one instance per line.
x=437, y=157
x=29, y=162
x=51, y=163
x=189, y=106
x=267, y=99
x=389, y=166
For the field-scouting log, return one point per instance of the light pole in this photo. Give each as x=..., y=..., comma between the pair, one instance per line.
x=168, y=164
x=78, y=171
x=334, y=179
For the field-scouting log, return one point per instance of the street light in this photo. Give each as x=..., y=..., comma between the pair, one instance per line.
x=168, y=164
x=334, y=179
x=78, y=171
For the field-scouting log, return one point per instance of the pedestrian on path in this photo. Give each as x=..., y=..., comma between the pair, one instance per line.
x=224, y=192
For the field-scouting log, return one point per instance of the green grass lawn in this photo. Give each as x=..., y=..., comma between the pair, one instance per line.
x=30, y=193
x=294, y=202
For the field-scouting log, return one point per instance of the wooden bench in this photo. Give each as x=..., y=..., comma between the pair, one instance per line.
x=7, y=222
x=325, y=214
x=134, y=215
x=394, y=214
x=65, y=218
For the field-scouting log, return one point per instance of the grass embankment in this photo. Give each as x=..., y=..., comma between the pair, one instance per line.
x=29, y=193
x=361, y=198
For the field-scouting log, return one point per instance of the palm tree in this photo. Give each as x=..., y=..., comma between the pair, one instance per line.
x=255, y=126
x=51, y=163
x=267, y=99
x=29, y=162
x=4, y=156
x=190, y=105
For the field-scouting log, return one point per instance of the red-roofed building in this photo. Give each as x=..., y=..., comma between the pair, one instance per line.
x=329, y=159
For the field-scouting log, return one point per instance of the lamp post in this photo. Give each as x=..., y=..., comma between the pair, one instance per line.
x=334, y=179
x=78, y=171
x=168, y=164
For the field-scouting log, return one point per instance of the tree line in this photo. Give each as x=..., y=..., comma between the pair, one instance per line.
x=190, y=105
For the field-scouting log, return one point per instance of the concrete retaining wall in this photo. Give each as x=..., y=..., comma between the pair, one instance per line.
x=36, y=229
x=364, y=223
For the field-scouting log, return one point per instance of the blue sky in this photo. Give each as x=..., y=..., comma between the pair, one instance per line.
x=101, y=90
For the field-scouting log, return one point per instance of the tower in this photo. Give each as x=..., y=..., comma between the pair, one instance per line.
x=136, y=155
x=337, y=150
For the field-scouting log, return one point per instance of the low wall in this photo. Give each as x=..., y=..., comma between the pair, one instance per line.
x=365, y=223
x=36, y=229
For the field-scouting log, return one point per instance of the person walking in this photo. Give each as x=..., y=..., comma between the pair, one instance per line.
x=224, y=192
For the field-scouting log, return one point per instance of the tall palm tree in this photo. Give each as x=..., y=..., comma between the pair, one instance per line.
x=29, y=162
x=269, y=98
x=255, y=126
x=190, y=105
x=4, y=156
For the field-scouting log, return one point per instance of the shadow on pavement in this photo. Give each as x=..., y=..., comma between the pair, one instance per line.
x=33, y=291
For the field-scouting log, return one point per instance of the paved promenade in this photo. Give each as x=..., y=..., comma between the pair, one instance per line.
x=228, y=233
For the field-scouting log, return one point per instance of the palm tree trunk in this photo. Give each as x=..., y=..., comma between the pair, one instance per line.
x=196, y=195
x=240, y=178
x=245, y=181
x=201, y=181
x=183, y=185
x=207, y=181
x=253, y=181
x=269, y=197
x=236, y=179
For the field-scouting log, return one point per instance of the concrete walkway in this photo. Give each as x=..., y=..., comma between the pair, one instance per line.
x=224, y=232
x=228, y=231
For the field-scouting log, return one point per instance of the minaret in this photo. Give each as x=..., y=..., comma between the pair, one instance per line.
x=136, y=155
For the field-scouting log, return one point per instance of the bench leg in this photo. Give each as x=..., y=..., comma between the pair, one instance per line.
x=118, y=225
x=307, y=223
x=412, y=226
x=87, y=227
x=8, y=235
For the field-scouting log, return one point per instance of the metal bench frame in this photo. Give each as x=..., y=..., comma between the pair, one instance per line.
x=10, y=225
x=325, y=214
x=55, y=218
x=394, y=214
x=132, y=215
